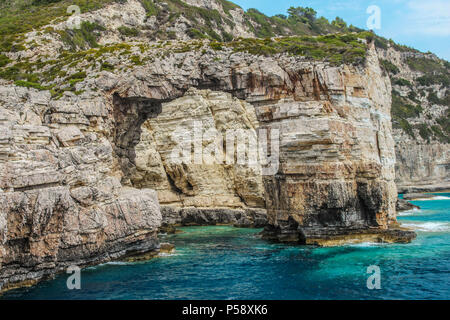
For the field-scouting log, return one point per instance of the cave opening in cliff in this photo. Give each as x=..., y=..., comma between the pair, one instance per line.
x=207, y=192
x=129, y=115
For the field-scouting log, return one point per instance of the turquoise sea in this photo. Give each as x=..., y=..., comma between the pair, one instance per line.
x=223, y=262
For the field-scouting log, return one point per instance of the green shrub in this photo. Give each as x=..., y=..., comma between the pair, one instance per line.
x=150, y=7
x=216, y=45
x=172, y=35
x=339, y=22
x=72, y=82
x=402, y=109
x=105, y=66
x=129, y=32
x=412, y=95
x=424, y=65
x=381, y=43
x=195, y=34
x=444, y=122
x=228, y=6
x=438, y=133
x=19, y=17
x=265, y=26
x=136, y=60
x=405, y=126
x=431, y=79
x=389, y=66
x=433, y=98
x=83, y=38
x=77, y=75
x=226, y=36
x=336, y=48
x=424, y=131
x=402, y=82
x=29, y=84
x=213, y=35
x=4, y=60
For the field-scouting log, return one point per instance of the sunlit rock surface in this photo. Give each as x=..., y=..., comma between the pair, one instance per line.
x=80, y=176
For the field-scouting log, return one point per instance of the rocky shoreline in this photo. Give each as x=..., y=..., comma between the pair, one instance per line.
x=86, y=176
x=404, y=205
x=336, y=237
x=76, y=172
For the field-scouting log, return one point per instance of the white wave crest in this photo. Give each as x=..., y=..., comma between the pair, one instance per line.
x=166, y=254
x=408, y=212
x=433, y=198
x=116, y=263
x=110, y=263
x=365, y=244
x=428, y=226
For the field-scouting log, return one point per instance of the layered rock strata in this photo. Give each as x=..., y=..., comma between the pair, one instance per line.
x=61, y=200
x=336, y=156
x=403, y=205
x=421, y=97
x=203, y=190
x=77, y=173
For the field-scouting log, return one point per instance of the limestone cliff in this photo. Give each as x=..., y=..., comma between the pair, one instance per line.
x=61, y=199
x=85, y=175
x=187, y=188
x=420, y=111
x=420, y=81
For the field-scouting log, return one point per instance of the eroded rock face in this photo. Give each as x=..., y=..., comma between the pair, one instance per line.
x=422, y=166
x=204, y=182
x=61, y=199
x=337, y=158
x=336, y=164
x=423, y=152
x=77, y=174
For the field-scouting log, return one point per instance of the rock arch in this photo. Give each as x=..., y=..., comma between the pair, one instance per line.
x=336, y=158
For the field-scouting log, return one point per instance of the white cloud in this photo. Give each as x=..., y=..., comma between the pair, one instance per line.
x=431, y=17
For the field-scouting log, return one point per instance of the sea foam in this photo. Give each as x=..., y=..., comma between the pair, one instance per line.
x=428, y=226
x=433, y=198
x=408, y=212
x=365, y=244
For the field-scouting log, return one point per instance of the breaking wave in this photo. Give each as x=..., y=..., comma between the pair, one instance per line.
x=408, y=212
x=428, y=226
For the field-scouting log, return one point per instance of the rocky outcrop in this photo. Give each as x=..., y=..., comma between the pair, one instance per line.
x=202, y=190
x=403, y=205
x=83, y=171
x=420, y=133
x=336, y=156
x=191, y=216
x=199, y=116
x=415, y=196
x=61, y=200
x=422, y=165
x=152, y=20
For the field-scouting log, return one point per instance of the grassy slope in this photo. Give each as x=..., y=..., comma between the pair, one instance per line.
x=435, y=74
x=20, y=16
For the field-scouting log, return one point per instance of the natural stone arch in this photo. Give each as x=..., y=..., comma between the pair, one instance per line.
x=207, y=193
x=331, y=178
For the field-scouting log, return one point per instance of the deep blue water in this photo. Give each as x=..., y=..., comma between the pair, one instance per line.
x=229, y=263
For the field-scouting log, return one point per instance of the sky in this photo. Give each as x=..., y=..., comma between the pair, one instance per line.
x=421, y=24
